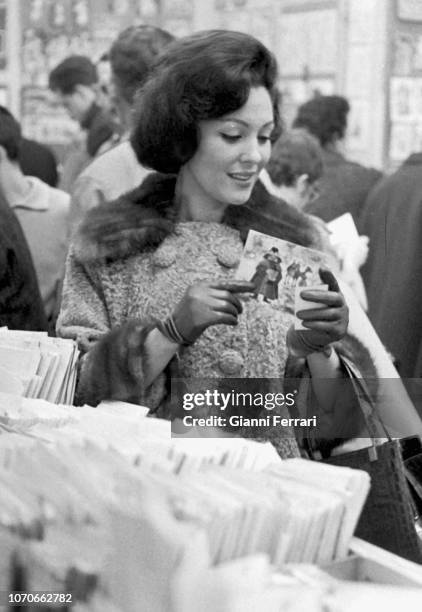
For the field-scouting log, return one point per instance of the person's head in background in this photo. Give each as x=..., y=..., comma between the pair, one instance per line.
x=75, y=82
x=32, y=157
x=294, y=167
x=13, y=182
x=326, y=118
x=10, y=146
x=132, y=56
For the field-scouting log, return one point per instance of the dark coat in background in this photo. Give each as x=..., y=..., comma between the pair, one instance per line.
x=343, y=187
x=35, y=159
x=393, y=273
x=21, y=306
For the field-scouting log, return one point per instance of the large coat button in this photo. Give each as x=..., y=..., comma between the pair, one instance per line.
x=228, y=256
x=164, y=257
x=230, y=362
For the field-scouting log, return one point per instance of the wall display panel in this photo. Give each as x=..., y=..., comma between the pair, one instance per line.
x=364, y=22
x=252, y=17
x=54, y=29
x=405, y=84
x=359, y=72
x=308, y=43
x=359, y=129
x=296, y=91
x=306, y=49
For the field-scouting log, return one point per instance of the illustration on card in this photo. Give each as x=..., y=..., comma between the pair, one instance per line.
x=276, y=267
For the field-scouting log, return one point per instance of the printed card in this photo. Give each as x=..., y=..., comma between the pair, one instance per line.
x=279, y=269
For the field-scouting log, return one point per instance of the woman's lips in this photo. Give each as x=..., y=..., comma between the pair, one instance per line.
x=244, y=177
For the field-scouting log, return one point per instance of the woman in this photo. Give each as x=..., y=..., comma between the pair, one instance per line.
x=150, y=278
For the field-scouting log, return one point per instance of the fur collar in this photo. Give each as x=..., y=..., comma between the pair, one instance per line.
x=140, y=220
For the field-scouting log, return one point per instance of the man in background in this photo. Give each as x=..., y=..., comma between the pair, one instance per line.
x=294, y=168
x=42, y=212
x=344, y=185
x=75, y=83
x=132, y=56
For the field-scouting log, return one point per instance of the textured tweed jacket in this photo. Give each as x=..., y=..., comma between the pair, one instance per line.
x=130, y=265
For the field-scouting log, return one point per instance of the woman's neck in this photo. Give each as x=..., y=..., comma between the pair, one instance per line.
x=193, y=203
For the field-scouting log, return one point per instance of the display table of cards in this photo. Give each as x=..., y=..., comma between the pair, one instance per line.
x=33, y=364
x=103, y=505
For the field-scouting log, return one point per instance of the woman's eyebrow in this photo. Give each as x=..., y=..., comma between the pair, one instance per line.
x=245, y=123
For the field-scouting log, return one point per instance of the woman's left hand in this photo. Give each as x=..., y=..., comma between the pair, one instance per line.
x=328, y=323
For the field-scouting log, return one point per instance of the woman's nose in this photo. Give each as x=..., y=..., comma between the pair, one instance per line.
x=252, y=152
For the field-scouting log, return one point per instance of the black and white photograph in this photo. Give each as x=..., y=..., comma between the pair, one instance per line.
x=210, y=305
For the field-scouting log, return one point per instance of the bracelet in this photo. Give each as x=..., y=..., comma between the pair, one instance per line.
x=169, y=330
x=301, y=347
x=315, y=348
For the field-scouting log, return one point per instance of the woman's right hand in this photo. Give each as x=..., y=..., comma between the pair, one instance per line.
x=206, y=304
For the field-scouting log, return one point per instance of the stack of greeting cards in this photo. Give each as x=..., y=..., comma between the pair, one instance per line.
x=94, y=498
x=33, y=364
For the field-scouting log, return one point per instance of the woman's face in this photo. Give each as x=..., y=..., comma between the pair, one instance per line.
x=232, y=151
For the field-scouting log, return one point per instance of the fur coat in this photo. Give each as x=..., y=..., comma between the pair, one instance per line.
x=130, y=264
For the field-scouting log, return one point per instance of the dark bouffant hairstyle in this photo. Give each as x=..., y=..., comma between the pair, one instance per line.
x=10, y=134
x=325, y=117
x=74, y=70
x=203, y=76
x=296, y=152
x=133, y=54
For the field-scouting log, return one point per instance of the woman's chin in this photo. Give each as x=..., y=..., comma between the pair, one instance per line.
x=239, y=199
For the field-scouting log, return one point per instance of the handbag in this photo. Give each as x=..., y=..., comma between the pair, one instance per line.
x=387, y=519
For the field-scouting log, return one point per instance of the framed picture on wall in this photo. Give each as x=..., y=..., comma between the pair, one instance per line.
x=402, y=98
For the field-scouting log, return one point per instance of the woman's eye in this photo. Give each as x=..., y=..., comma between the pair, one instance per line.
x=231, y=137
x=264, y=139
